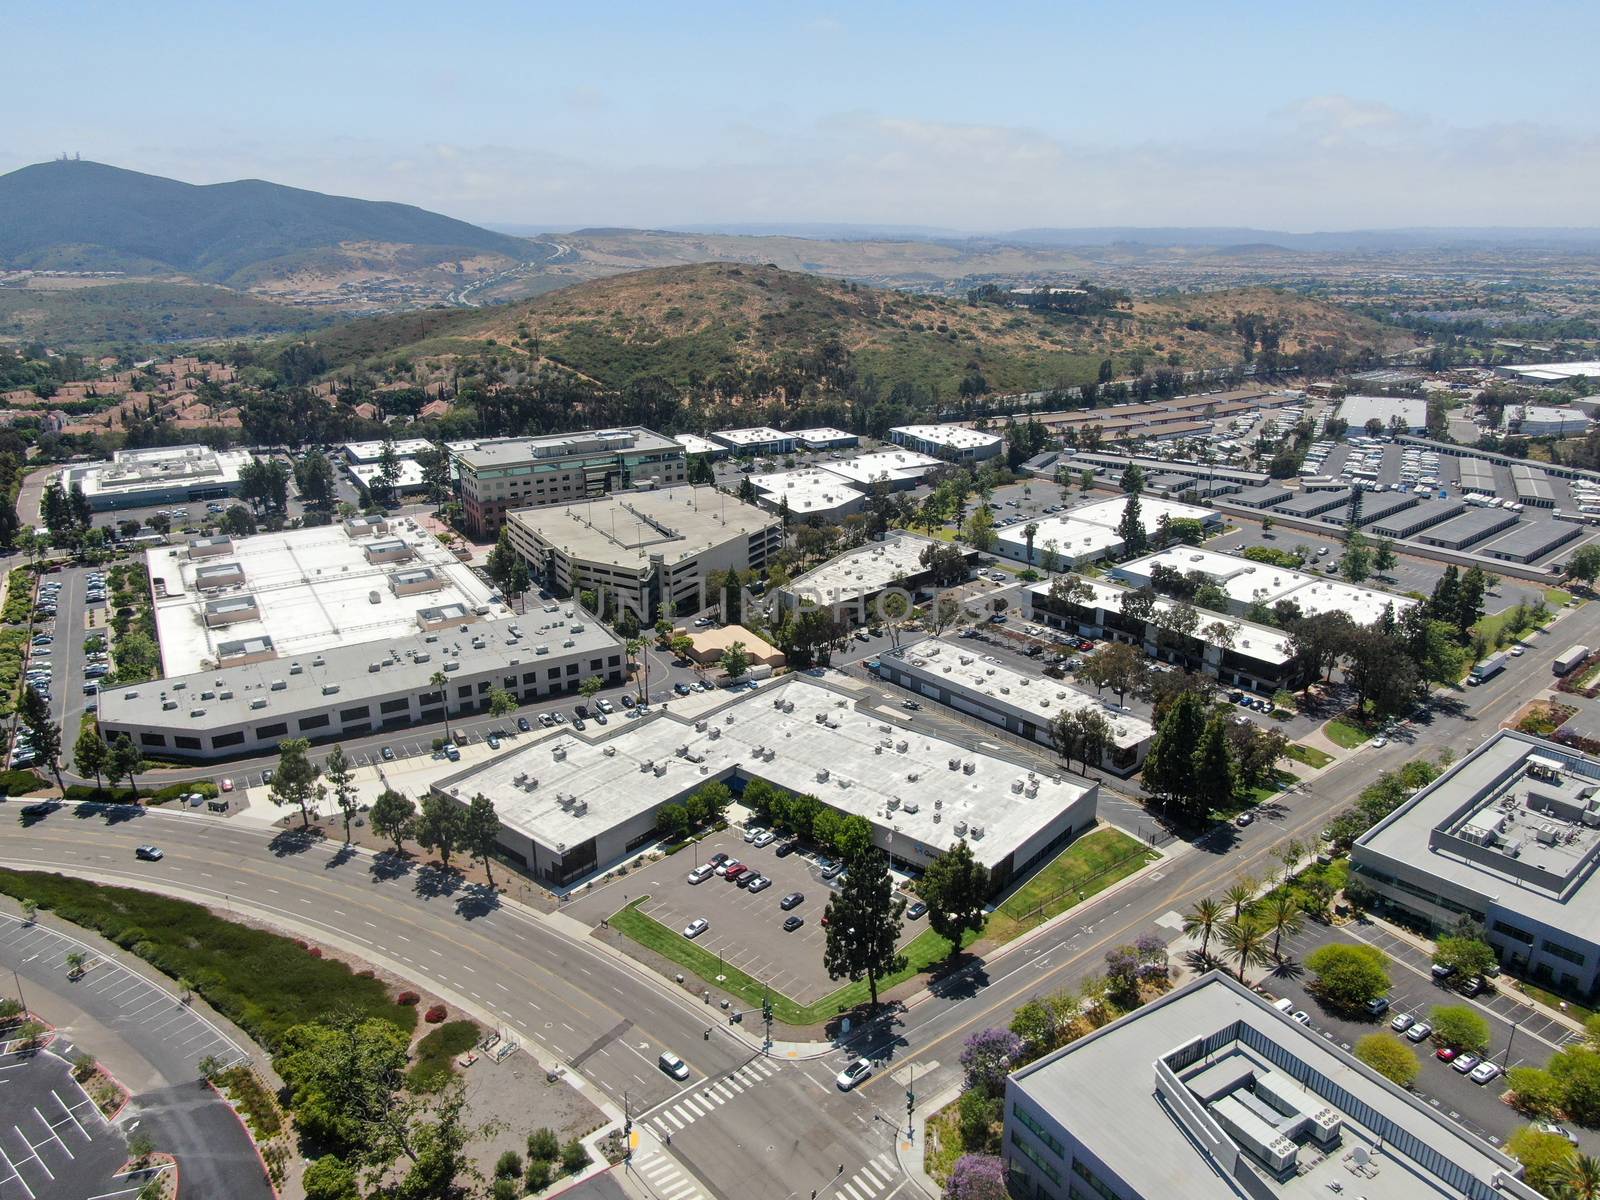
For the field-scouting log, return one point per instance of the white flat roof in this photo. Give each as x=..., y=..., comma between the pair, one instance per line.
x=1151, y=510
x=1564, y=370
x=314, y=589
x=1260, y=642
x=894, y=466
x=808, y=490
x=755, y=436
x=1072, y=539
x=824, y=746
x=360, y=452
x=823, y=435
x=1358, y=410
x=408, y=473
x=158, y=468
x=864, y=571
x=959, y=666
x=957, y=437
x=693, y=443
x=1246, y=581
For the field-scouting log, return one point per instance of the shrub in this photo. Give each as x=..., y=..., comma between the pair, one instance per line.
x=1459, y=1027
x=543, y=1143
x=435, y=1014
x=1546, y=1156
x=407, y=998
x=988, y=1057
x=1389, y=1057
x=315, y=952
x=977, y=1177
x=505, y=1189
x=538, y=1176
x=508, y=1165
x=574, y=1157
x=977, y=1122
x=1534, y=1091
x=432, y=1069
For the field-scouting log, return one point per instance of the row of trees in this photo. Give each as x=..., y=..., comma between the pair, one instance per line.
x=1201, y=758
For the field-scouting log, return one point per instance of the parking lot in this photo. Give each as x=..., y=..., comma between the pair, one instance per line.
x=1476, y=1107
x=745, y=929
x=141, y=1012
x=54, y=1142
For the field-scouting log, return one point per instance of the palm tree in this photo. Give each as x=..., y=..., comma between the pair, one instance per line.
x=1580, y=1180
x=1283, y=917
x=1246, y=944
x=440, y=682
x=1203, y=918
x=1029, y=532
x=1239, y=899
x=634, y=646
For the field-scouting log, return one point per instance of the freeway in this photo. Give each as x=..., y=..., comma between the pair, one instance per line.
x=742, y=1122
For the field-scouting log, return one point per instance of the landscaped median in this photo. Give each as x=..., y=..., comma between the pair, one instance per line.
x=1085, y=868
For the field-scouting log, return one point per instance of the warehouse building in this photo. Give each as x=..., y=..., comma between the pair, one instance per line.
x=508, y=473
x=1405, y=413
x=1088, y=532
x=1424, y=515
x=1264, y=496
x=570, y=805
x=1476, y=475
x=898, y=469
x=158, y=475
x=953, y=443
x=1023, y=703
x=808, y=492
x=1533, y=487
x=308, y=589
x=1531, y=541
x=1255, y=657
x=1210, y=1093
x=1376, y=506
x=1103, y=462
x=1468, y=529
x=1508, y=837
x=256, y=694
x=826, y=438
x=1550, y=373
x=760, y=439
x=636, y=550
x=851, y=585
x=1546, y=420
x=1315, y=503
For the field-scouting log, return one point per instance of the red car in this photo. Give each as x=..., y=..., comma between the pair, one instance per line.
x=734, y=870
x=1444, y=1054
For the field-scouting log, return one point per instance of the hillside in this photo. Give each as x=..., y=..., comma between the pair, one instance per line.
x=139, y=313
x=85, y=216
x=740, y=328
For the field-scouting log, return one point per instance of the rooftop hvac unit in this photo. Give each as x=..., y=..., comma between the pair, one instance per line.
x=938, y=802
x=559, y=753
x=699, y=726
x=911, y=776
x=822, y=775
x=541, y=649
x=1031, y=790
x=319, y=661
x=968, y=767
x=225, y=696
x=977, y=833
x=259, y=702
x=937, y=816
x=682, y=751
x=959, y=829
x=911, y=806
x=648, y=764
x=955, y=764
x=521, y=778
x=661, y=769
x=294, y=668
x=579, y=807
x=373, y=668
x=610, y=751
x=901, y=746
x=788, y=707
x=1005, y=689
x=168, y=705
x=878, y=749
x=452, y=666
x=822, y=718
x=330, y=689
x=197, y=712
x=1016, y=786
x=714, y=733
x=894, y=803
x=565, y=801
x=278, y=685
x=567, y=644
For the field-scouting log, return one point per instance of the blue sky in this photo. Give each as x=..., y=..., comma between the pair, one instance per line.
x=1002, y=116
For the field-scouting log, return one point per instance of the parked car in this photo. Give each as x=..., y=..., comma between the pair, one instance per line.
x=760, y=883
x=266, y=777
x=746, y=878
x=790, y=924
x=910, y=705
x=751, y=833
x=683, y=689
x=696, y=927
x=627, y=700
x=717, y=859
x=1301, y=1017
x=1445, y=1054
x=1443, y=970
x=1465, y=1064
x=546, y=720
x=226, y=785
x=916, y=909
x=733, y=870
x=853, y=1074
x=388, y=754
x=1379, y=1005
x=494, y=742
x=1419, y=1032
x=1402, y=1022
x=765, y=838
x=1485, y=1072
x=832, y=870
x=524, y=725
x=1560, y=1131
x=787, y=848
x=792, y=900
x=702, y=873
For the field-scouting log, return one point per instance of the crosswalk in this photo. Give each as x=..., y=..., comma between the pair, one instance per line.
x=666, y=1178
x=872, y=1179
x=708, y=1096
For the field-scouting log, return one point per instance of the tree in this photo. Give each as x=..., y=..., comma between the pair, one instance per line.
x=1029, y=532
x=1581, y=1179
x=1348, y=976
x=89, y=753
x=295, y=780
x=1213, y=769
x=979, y=529
x=1467, y=955
x=682, y=645
x=501, y=702
x=1169, y=771
x=124, y=762
x=1281, y=914
x=1546, y=1158
x=330, y=1178
x=436, y=474
x=34, y=713
x=977, y=1177
x=987, y=1057
x=1389, y=1057
x=955, y=887
x=1577, y=1069
x=1130, y=527
x=1203, y=919
x=1246, y=944
x=1355, y=564
x=1584, y=565
x=480, y=832
x=440, y=682
x=736, y=661
x=393, y=816
x=441, y=826
x=501, y=562
x=1534, y=1091
x=1115, y=665
x=1384, y=558
x=341, y=783
x=864, y=926
x=635, y=648
x=1459, y=1027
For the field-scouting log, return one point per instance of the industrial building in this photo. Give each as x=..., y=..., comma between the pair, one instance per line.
x=760, y=439
x=1024, y=703
x=570, y=804
x=826, y=438
x=1105, y=463
x=1264, y=496
x=1210, y=1093
x=303, y=590
x=1408, y=414
x=1424, y=515
x=1315, y=502
x=1507, y=837
x=694, y=445
x=953, y=443
x=1531, y=541
x=1088, y=532
x=1550, y=373
x=639, y=549
x=1546, y=420
x=158, y=475
x=896, y=469
x=1242, y=653
x=257, y=694
x=808, y=492
x=1533, y=487
x=850, y=585
x=509, y=473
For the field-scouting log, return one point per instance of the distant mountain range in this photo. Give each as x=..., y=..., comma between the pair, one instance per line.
x=87, y=216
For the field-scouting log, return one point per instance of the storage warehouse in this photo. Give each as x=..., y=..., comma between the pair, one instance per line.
x=1469, y=528
x=1423, y=515
x=1531, y=541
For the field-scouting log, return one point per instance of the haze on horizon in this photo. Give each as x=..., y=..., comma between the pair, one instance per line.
x=1357, y=116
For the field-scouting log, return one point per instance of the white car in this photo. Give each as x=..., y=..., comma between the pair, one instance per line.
x=853, y=1074
x=702, y=873
x=765, y=838
x=696, y=927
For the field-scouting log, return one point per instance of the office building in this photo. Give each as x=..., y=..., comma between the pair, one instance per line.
x=851, y=585
x=808, y=492
x=1089, y=531
x=760, y=439
x=1508, y=837
x=637, y=549
x=509, y=473
x=896, y=469
x=571, y=803
x=158, y=475
x=825, y=438
x=1209, y=1093
x=953, y=443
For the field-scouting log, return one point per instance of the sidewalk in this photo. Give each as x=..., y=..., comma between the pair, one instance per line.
x=909, y=1151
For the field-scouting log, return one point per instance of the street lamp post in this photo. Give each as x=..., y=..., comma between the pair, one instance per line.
x=21, y=999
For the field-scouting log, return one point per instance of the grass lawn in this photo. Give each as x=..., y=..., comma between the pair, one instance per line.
x=1309, y=755
x=924, y=951
x=1342, y=733
x=1574, y=1009
x=1557, y=598
x=263, y=982
x=1490, y=627
x=1090, y=865
x=432, y=1069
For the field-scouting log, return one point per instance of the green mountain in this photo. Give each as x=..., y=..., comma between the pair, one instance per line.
x=87, y=216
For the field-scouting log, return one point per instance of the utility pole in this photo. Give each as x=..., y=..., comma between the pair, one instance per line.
x=21, y=999
x=911, y=1100
x=766, y=1015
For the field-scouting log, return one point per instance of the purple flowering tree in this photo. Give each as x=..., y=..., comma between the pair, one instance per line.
x=1152, y=955
x=977, y=1177
x=987, y=1058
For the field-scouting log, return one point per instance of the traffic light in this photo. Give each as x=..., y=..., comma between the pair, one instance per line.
x=911, y=1101
x=766, y=1009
